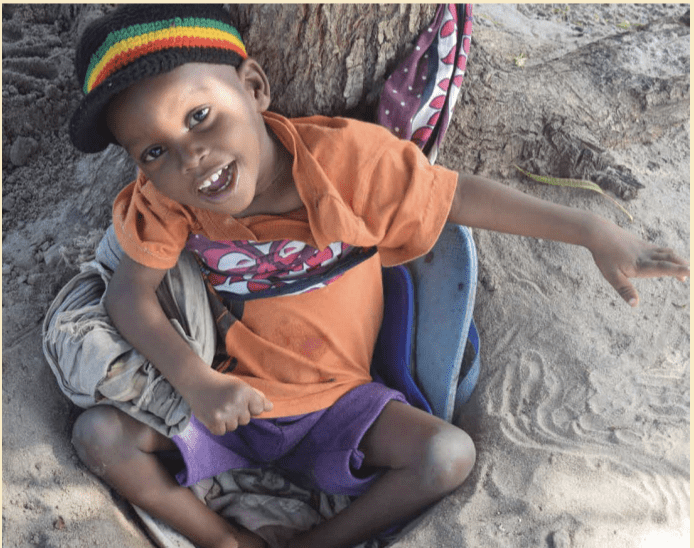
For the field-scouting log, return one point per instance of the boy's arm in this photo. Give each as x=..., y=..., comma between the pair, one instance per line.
x=221, y=402
x=483, y=203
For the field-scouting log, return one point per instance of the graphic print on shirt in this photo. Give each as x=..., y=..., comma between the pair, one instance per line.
x=247, y=270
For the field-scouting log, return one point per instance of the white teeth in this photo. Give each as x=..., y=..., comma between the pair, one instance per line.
x=213, y=179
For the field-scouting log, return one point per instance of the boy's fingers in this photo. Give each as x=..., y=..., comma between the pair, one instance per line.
x=256, y=406
x=244, y=418
x=260, y=404
x=267, y=404
x=216, y=428
x=663, y=262
x=662, y=267
x=667, y=254
x=627, y=291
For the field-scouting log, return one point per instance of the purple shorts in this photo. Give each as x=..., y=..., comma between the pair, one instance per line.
x=318, y=450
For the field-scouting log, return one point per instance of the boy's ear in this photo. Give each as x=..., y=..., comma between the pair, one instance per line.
x=255, y=81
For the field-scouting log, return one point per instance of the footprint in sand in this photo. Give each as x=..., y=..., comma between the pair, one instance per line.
x=602, y=414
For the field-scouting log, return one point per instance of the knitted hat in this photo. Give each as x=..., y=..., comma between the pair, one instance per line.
x=136, y=41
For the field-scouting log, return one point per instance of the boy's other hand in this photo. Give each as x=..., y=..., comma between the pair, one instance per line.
x=223, y=402
x=620, y=255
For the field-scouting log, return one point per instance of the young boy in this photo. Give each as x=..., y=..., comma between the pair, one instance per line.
x=292, y=220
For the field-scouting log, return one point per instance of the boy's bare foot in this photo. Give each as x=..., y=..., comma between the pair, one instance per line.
x=424, y=459
x=121, y=451
x=296, y=542
x=244, y=538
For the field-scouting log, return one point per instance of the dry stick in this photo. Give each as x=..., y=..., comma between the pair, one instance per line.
x=574, y=183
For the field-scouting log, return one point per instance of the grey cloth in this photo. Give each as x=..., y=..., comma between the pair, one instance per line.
x=262, y=501
x=94, y=365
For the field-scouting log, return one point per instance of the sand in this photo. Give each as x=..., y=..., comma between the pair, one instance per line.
x=581, y=413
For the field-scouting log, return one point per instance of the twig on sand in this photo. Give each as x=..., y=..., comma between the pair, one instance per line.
x=573, y=183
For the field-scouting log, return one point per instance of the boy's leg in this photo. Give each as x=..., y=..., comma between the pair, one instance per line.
x=426, y=458
x=120, y=450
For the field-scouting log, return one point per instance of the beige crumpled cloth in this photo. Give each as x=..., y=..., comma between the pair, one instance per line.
x=94, y=365
x=262, y=501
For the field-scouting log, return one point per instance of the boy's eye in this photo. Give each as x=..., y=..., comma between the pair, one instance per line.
x=198, y=116
x=152, y=154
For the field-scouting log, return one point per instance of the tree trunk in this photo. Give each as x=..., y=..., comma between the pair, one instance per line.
x=329, y=59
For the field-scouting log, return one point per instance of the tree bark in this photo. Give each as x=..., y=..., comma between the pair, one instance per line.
x=329, y=59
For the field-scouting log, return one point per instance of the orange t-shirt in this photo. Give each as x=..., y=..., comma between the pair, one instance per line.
x=360, y=185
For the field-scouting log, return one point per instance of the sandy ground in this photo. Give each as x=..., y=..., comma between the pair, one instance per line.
x=581, y=414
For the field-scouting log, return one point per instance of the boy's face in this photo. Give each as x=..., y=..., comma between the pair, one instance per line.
x=197, y=133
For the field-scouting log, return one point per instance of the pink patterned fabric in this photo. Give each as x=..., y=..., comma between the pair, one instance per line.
x=419, y=97
x=245, y=270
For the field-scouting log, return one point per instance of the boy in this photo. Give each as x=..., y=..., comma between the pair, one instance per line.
x=275, y=208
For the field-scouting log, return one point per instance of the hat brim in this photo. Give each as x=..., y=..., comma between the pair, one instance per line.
x=89, y=131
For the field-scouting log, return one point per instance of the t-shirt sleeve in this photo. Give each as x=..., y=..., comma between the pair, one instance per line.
x=151, y=229
x=405, y=203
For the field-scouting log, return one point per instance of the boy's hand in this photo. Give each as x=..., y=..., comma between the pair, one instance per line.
x=223, y=402
x=620, y=255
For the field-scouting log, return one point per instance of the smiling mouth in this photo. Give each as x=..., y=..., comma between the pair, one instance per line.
x=219, y=181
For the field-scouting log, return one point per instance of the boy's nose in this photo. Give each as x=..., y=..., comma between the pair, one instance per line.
x=192, y=155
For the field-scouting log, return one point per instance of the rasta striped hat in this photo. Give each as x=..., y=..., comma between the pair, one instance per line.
x=136, y=41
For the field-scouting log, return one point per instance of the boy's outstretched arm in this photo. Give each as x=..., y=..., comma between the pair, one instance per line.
x=221, y=402
x=483, y=203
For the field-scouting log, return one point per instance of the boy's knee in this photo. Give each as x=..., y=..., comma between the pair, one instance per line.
x=98, y=436
x=449, y=456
